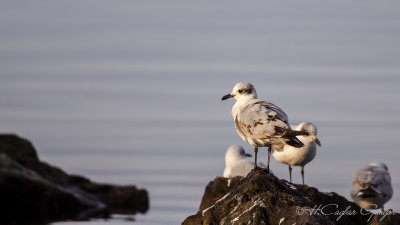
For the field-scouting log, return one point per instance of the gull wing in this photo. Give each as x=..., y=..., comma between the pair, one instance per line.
x=260, y=119
x=279, y=113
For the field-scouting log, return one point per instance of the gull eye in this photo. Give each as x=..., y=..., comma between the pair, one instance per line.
x=241, y=91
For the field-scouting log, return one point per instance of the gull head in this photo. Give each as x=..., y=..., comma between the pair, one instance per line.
x=234, y=154
x=380, y=165
x=242, y=91
x=311, y=129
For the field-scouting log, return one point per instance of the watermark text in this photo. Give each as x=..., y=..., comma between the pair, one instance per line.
x=334, y=210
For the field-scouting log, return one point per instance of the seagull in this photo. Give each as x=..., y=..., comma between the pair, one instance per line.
x=260, y=123
x=237, y=162
x=298, y=156
x=372, y=186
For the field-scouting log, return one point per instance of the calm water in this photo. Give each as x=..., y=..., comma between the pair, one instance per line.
x=128, y=92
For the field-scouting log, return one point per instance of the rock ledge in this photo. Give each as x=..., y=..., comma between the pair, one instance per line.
x=32, y=190
x=261, y=198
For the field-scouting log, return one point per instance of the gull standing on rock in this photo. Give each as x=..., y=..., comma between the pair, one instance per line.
x=298, y=156
x=260, y=123
x=237, y=162
x=372, y=186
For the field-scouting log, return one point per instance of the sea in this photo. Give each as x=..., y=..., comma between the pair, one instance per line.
x=129, y=92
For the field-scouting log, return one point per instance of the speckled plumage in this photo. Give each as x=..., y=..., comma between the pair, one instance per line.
x=260, y=123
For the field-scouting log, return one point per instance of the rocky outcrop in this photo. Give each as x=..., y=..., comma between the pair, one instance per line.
x=31, y=190
x=261, y=198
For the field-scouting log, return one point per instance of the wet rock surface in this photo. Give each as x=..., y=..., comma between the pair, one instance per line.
x=262, y=198
x=32, y=190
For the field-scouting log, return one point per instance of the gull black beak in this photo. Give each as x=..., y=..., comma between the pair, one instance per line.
x=318, y=142
x=226, y=97
x=247, y=155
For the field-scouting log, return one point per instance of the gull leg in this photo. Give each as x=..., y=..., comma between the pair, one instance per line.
x=302, y=173
x=255, y=157
x=269, y=156
x=290, y=173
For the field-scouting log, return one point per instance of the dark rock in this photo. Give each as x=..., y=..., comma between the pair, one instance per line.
x=261, y=198
x=216, y=189
x=25, y=194
x=34, y=190
x=119, y=199
x=17, y=148
x=386, y=218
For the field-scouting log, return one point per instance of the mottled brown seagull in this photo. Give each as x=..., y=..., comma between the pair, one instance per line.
x=260, y=123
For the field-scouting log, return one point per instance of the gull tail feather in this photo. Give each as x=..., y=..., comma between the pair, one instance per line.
x=293, y=140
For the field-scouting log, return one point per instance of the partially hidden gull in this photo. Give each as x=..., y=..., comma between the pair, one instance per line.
x=372, y=186
x=237, y=162
x=293, y=156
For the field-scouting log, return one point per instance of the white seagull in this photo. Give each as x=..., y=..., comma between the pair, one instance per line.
x=372, y=186
x=298, y=156
x=260, y=123
x=237, y=162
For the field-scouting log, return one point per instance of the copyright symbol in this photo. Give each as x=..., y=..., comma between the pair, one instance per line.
x=300, y=211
